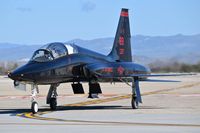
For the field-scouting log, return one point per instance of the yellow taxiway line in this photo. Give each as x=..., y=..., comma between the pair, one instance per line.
x=38, y=116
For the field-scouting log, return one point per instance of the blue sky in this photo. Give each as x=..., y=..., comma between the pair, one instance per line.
x=44, y=21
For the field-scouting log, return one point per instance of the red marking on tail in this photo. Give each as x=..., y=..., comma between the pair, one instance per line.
x=121, y=51
x=124, y=14
x=121, y=40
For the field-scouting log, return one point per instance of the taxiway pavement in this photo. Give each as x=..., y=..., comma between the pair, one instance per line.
x=167, y=107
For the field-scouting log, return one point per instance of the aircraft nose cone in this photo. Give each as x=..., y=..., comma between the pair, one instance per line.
x=20, y=74
x=12, y=76
x=9, y=75
x=15, y=76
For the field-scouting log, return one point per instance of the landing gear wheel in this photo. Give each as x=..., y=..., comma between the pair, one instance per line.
x=34, y=107
x=53, y=103
x=134, y=103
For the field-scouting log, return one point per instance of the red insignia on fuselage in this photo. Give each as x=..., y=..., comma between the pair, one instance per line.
x=108, y=69
x=120, y=70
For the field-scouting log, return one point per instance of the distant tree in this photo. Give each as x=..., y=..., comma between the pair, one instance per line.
x=15, y=65
x=175, y=67
x=1, y=70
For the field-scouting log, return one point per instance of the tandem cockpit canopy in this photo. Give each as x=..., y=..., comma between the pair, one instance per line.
x=53, y=51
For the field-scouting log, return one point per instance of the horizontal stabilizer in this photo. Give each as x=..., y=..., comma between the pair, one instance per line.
x=157, y=80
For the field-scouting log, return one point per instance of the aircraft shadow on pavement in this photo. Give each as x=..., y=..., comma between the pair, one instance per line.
x=13, y=112
x=101, y=107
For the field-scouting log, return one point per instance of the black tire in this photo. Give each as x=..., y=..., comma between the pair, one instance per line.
x=53, y=103
x=134, y=103
x=34, y=107
x=16, y=83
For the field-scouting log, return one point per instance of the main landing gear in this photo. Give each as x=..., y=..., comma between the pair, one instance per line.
x=136, y=95
x=134, y=102
x=52, y=96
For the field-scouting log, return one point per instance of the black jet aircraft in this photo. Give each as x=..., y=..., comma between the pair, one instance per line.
x=57, y=63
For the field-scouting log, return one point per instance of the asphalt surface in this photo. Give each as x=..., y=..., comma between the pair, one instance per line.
x=167, y=107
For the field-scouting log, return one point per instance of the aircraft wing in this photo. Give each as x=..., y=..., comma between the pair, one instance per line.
x=160, y=75
x=144, y=75
x=158, y=80
x=125, y=71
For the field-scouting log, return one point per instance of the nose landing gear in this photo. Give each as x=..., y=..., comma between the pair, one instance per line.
x=34, y=104
x=34, y=107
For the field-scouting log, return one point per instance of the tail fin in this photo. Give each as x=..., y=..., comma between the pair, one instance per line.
x=121, y=50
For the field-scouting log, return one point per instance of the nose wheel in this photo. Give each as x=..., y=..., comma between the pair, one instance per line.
x=34, y=107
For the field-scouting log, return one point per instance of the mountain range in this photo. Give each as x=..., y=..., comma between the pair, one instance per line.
x=145, y=49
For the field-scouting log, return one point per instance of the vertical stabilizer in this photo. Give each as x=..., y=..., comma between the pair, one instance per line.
x=121, y=50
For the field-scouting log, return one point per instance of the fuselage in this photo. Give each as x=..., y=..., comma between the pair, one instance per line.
x=74, y=67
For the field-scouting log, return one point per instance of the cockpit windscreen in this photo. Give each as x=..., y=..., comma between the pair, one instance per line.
x=42, y=55
x=53, y=51
x=57, y=49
